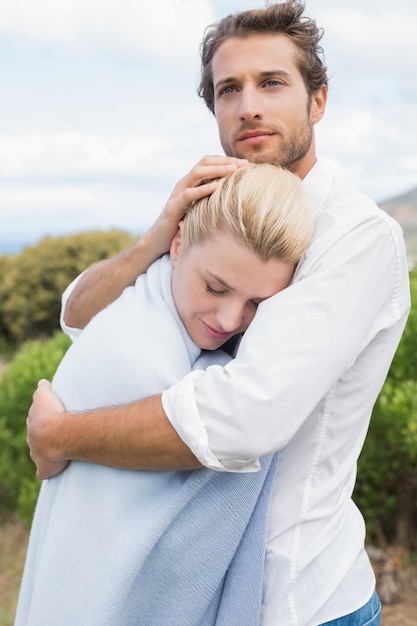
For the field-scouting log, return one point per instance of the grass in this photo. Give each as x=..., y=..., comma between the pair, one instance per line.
x=13, y=544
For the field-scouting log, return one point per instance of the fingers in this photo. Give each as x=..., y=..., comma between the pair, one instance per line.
x=43, y=385
x=209, y=168
x=200, y=182
x=48, y=469
x=42, y=382
x=191, y=194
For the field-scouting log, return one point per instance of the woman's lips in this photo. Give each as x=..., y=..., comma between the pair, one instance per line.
x=215, y=334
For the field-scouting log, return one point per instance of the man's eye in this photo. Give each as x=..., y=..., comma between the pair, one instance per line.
x=273, y=82
x=227, y=90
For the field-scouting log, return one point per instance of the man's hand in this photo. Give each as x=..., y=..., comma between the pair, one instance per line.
x=104, y=281
x=197, y=184
x=44, y=413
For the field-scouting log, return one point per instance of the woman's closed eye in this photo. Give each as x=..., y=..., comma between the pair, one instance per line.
x=214, y=292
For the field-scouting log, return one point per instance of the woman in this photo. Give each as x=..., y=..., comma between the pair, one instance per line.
x=117, y=547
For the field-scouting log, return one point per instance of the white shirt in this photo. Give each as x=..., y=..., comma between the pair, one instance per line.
x=304, y=382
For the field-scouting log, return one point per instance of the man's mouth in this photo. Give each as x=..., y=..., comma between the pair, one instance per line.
x=251, y=137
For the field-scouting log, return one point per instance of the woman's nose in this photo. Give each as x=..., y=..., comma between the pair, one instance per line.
x=233, y=317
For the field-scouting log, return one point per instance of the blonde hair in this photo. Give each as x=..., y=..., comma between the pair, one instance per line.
x=262, y=205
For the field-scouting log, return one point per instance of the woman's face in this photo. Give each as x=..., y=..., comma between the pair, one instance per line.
x=218, y=284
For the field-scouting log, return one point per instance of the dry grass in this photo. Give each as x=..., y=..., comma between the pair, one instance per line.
x=13, y=544
x=403, y=612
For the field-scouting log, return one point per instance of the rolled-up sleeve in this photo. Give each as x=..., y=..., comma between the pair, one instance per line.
x=72, y=333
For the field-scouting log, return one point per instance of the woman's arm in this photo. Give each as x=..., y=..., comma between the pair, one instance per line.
x=104, y=281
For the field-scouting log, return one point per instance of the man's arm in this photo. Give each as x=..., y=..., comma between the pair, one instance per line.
x=133, y=436
x=104, y=281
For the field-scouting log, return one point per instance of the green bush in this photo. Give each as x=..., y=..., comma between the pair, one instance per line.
x=387, y=471
x=32, y=282
x=36, y=359
x=404, y=365
x=386, y=489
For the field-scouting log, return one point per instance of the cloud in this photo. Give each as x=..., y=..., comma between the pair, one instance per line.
x=378, y=36
x=368, y=37
x=53, y=155
x=28, y=212
x=167, y=31
x=58, y=182
x=370, y=150
x=99, y=116
x=15, y=197
x=368, y=136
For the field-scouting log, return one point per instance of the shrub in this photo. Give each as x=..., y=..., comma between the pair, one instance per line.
x=387, y=471
x=32, y=282
x=386, y=489
x=36, y=359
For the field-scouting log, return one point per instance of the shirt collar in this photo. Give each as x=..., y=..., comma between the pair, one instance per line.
x=317, y=183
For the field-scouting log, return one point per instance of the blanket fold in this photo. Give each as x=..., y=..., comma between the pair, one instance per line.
x=112, y=547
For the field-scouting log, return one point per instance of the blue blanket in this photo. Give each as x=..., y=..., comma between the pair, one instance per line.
x=111, y=547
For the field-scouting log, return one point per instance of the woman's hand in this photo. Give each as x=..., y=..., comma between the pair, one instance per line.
x=198, y=183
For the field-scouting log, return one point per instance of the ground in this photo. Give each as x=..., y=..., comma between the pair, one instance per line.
x=403, y=612
x=13, y=542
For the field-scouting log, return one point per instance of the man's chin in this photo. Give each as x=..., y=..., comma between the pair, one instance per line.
x=261, y=157
x=254, y=155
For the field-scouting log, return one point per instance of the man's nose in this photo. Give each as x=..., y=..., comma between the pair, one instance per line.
x=250, y=106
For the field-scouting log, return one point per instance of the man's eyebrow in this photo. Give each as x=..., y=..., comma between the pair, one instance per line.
x=264, y=74
x=225, y=81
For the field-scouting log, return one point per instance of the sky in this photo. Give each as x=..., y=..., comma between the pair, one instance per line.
x=99, y=116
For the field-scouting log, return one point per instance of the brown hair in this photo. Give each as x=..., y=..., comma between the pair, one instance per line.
x=263, y=206
x=280, y=19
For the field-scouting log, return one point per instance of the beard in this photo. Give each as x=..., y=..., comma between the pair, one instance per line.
x=287, y=153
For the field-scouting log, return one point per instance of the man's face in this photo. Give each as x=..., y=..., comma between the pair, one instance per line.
x=262, y=107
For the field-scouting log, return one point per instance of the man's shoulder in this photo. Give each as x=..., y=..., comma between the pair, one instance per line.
x=346, y=204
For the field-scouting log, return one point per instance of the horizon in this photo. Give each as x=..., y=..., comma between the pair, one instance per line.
x=99, y=116
x=10, y=247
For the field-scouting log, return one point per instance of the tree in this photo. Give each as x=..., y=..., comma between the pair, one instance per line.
x=32, y=282
x=386, y=490
x=36, y=359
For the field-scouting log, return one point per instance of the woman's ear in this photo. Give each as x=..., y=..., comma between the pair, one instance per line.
x=175, y=249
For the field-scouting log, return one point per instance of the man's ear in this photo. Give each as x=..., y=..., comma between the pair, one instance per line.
x=318, y=104
x=175, y=249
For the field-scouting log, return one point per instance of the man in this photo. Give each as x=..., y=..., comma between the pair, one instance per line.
x=307, y=372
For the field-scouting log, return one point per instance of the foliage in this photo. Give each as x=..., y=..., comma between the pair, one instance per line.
x=387, y=483
x=32, y=282
x=386, y=490
x=30, y=288
x=404, y=365
x=36, y=359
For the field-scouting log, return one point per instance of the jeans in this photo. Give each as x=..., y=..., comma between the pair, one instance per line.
x=368, y=615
